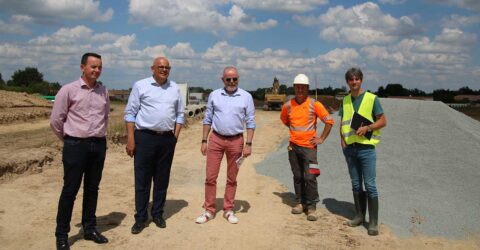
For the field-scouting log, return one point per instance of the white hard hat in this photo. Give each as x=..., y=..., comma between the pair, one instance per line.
x=301, y=79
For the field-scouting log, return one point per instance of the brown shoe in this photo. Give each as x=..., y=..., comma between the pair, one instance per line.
x=312, y=214
x=297, y=209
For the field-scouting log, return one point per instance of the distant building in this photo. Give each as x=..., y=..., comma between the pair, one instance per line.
x=195, y=98
x=119, y=94
x=185, y=93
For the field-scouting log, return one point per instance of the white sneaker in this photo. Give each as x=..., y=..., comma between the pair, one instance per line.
x=206, y=216
x=230, y=216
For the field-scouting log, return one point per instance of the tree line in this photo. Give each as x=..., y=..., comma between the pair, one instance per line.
x=29, y=80
x=390, y=90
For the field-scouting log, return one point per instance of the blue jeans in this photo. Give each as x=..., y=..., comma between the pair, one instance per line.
x=152, y=162
x=82, y=158
x=361, y=161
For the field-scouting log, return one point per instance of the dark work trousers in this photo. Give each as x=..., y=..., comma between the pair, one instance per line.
x=82, y=157
x=153, y=161
x=305, y=184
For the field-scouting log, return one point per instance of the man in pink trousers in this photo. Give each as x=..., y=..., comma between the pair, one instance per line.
x=229, y=110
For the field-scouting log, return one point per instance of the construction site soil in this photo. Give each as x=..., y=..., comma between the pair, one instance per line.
x=427, y=164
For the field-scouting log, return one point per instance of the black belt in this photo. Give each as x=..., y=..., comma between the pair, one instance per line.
x=87, y=139
x=359, y=145
x=153, y=132
x=227, y=136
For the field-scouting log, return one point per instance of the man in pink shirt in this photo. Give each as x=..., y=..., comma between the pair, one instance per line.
x=79, y=118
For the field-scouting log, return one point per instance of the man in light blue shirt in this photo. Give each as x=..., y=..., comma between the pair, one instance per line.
x=154, y=116
x=229, y=110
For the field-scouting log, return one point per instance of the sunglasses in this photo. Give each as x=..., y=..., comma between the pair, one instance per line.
x=231, y=79
x=164, y=67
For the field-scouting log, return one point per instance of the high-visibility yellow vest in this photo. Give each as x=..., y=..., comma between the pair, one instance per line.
x=365, y=109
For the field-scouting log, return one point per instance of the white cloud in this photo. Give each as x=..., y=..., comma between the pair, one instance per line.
x=57, y=55
x=65, y=36
x=52, y=10
x=17, y=25
x=447, y=52
x=340, y=59
x=362, y=24
x=198, y=15
x=457, y=21
x=473, y=5
x=392, y=1
x=281, y=5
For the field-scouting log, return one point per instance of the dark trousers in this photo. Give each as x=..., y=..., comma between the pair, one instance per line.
x=82, y=158
x=153, y=161
x=304, y=183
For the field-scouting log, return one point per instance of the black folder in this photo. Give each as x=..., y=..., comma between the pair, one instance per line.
x=358, y=121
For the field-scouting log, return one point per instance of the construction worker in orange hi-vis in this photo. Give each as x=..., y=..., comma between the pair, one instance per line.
x=300, y=115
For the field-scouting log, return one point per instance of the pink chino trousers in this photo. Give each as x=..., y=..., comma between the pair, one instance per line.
x=217, y=146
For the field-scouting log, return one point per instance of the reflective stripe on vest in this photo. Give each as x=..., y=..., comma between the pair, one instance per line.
x=365, y=109
x=311, y=124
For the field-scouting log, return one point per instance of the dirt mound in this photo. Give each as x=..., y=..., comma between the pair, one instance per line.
x=15, y=106
x=9, y=99
x=24, y=161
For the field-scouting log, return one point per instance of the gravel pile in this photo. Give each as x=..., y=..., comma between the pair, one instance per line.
x=428, y=164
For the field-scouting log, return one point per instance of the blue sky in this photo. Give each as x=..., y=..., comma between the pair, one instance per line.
x=425, y=44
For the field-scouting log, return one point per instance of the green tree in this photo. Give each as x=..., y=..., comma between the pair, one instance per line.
x=282, y=89
x=443, y=95
x=396, y=89
x=2, y=82
x=465, y=91
x=26, y=77
x=417, y=92
x=381, y=92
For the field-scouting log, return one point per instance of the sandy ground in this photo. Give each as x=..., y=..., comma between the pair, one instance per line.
x=28, y=208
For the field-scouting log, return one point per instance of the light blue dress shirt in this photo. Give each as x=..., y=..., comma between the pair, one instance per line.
x=227, y=113
x=153, y=106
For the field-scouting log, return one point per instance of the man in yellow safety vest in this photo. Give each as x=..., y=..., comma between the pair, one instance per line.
x=359, y=151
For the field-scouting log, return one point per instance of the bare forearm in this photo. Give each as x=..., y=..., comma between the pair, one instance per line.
x=206, y=131
x=326, y=131
x=178, y=127
x=250, y=133
x=130, y=129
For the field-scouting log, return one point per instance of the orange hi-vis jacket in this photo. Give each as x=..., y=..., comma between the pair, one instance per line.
x=302, y=120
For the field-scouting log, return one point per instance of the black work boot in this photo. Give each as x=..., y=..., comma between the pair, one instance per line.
x=373, y=216
x=360, y=200
x=62, y=243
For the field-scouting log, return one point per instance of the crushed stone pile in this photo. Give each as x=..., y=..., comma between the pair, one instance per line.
x=428, y=167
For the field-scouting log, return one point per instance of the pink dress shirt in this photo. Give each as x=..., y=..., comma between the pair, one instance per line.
x=79, y=111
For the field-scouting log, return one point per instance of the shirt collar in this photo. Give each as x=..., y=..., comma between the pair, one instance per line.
x=83, y=84
x=225, y=93
x=155, y=83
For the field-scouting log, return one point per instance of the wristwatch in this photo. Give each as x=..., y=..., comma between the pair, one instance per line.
x=248, y=143
x=369, y=129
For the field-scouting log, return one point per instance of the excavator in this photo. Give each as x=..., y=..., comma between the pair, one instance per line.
x=273, y=99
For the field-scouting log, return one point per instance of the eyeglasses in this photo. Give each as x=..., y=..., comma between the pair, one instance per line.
x=231, y=79
x=164, y=67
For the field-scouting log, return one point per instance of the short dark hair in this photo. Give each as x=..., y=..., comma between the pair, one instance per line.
x=86, y=55
x=354, y=72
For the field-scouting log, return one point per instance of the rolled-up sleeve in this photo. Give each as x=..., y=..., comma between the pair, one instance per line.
x=133, y=105
x=250, y=113
x=207, y=120
x=59, y=112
